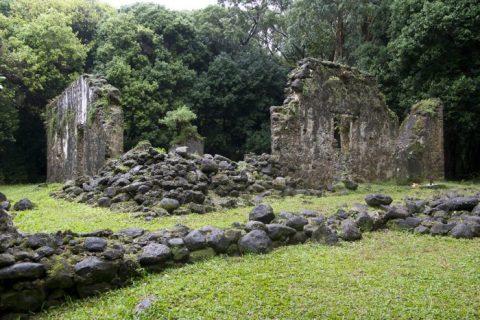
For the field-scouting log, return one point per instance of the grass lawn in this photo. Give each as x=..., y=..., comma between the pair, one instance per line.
x=385, y=275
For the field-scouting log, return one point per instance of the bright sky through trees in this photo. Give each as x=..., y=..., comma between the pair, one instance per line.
x=171, y=4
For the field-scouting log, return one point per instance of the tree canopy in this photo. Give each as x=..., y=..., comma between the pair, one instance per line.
x=227, y=64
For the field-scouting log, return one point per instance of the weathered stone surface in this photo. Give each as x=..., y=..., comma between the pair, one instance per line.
x=376, y=200
x=256, y=241
x=81, y=136
x=420, y=148
x=278, y=231
x=154, y=253
x=94, y=270
x=350, y=231
x=131, y=232
x=169, y=204
x=24, y=270
x=335, y=123
x=462, y=230
x=3, y=197
x=95, y=244
x=263, y=213
x=23, y=204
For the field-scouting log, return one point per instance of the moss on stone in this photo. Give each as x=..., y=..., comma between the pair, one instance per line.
x=428, y=107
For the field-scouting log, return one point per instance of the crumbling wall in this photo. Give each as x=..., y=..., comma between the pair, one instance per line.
x=335, y=124
x=84, y=128
x=420, y=145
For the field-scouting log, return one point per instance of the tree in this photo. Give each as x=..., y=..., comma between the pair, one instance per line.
x=179, y=121
x=435, y=52
x=232, y=101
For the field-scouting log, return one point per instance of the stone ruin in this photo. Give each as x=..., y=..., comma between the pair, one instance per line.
x=41, y=270
x=335, y=124
x=151, y=183
x=84, y=128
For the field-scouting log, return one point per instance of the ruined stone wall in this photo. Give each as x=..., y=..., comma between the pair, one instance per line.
x=335, y=124
x=420, y=145
x=84, y=128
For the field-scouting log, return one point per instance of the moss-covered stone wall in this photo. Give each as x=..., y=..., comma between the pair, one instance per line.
x=84, y=128
x=335, y=124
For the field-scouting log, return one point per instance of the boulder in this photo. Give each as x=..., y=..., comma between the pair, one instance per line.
x=462, y=231
x=169, y=204
x=3, y=197
x=104, y=202
x=297, y=222
x=397, y=213
x=364, y=221
x=278, y=231
x=154, y=253
x=323, y=234
x=23, y=301
x=195, y=240
x=94, y=270
x=23, y=270
x=350, y=184
x=209, y=166
x=23, y=204
x=463, y=203
x=95, y=244
x=5, y=205
x=131, y=232
x=475, y=211
x=377, y=200
x=263, y=213
x=350, y=231
x=256, y=241
x=255, y=225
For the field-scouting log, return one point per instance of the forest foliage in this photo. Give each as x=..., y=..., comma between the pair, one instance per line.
x=227, y=64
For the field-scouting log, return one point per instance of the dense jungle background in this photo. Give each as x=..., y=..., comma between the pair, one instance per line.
x=228, y=63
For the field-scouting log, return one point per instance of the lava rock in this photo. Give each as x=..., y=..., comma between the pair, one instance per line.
x=195, y=240
x=131, y=232
x=350, y=231
x=209, y=166
x=350, y=184
x=95, y=244
x=364, y=221
x=94, y=270
x=104, y=202
x=3, y=197
x=439, y=228
x=23, y=204
x=324, y=235
x=278, y=231
x=154, y=253
x=6, y=260
x=256, y=241
x=462, y=231
x=397, y=213
x=169, y=204
x=255, y=225
x=5, y=205
x=297, y=222
x=263, y=213
x=377, y=200
x=24, y=270
x=463, y=203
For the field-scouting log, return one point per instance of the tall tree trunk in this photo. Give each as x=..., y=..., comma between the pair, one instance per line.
x=339, y=39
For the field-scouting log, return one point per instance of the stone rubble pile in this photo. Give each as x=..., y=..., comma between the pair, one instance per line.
x=151, y=183
x=40, y=270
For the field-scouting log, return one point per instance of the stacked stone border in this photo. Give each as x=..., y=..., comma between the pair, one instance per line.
x=40, y=270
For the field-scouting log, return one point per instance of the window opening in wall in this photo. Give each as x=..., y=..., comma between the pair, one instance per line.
x=337, y=141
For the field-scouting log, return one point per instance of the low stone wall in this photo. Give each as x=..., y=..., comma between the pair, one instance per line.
x=41, y=270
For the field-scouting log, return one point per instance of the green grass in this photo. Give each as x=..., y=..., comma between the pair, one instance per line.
x=386, y=275
x=51, y=215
